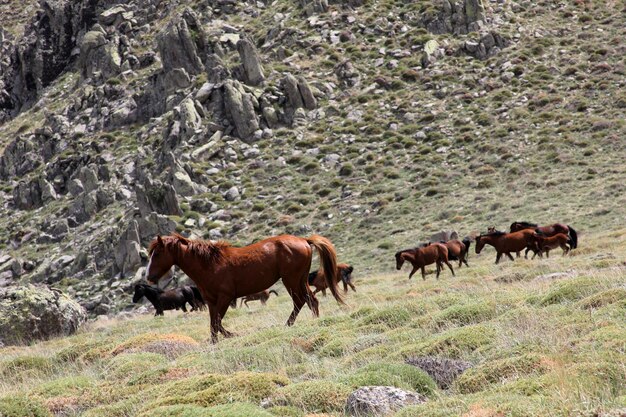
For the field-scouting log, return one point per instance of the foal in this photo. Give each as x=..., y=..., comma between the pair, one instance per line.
x=545, y=244
x=262, y=296
x=173, y=299
x=318, y=280
x=435, y=253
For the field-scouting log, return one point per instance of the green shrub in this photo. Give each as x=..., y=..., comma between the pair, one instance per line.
x=478, y=378
x=391, y=316
x=398, y=375
x=314, y=396
x=466, y=314
x=21, y=406
x=570, y=290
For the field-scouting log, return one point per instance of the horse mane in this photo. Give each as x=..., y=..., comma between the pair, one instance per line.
x=204, y=249
x=527, y=224
x=151, y=288
x=495, y=233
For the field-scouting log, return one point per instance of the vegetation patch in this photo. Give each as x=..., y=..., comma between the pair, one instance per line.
x=170, y=345
x=480, y=377
x=455, y=343
x=466, y=314
x=314, y=396
x=603, y=298
x=393, y=374
x=570, y=290
x=21, y=405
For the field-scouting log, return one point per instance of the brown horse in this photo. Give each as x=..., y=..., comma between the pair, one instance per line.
x=261, y=296
x=435, y=253
x=458, y=250
x=223, y=272
x=545, y=244
x=318, y=280
x=505, y=243
x=549, y=230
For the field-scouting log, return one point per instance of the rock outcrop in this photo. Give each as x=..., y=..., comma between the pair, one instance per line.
x=30, y=313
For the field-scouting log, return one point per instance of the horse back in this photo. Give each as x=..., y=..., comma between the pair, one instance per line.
x=434, y=253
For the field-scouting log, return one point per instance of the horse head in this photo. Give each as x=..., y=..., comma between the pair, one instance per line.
x=399, y=260
x=139, y=292
x=161, y=260
x=480, y=244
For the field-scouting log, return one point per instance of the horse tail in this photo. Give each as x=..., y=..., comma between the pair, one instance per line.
x=198, y=297
x=328, y=261
x=574, y=236
x=275, y=293
x=467, y=242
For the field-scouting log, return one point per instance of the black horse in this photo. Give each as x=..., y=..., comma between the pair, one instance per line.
x=162, y=300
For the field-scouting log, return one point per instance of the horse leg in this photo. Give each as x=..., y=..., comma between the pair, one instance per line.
x=449, y=266
x=223, y=307
x=214, y=314
x=182, y=307
x=324, y=292
x=351, y=286
x=547, y=253
x=498, y=256
x=245, y=302
x=510, y=257
x=312, y=302
x=298, y=302
x=345, y=286
x=423, y=273
x=414, y=270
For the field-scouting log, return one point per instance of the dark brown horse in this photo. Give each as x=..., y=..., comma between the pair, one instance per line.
x=549, y=230
x=435, y=253
x=318, y=280
x=505, y=243
x=261, y=296
x=545, y=244
x=162, y=300
x=457, y=250
x=223, y=272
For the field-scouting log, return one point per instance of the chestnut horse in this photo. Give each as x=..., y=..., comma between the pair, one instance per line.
x=505, y=243
x=223, y=272
x=545, y=244
x=318, y=280
x=548, y=231
x=435, y=253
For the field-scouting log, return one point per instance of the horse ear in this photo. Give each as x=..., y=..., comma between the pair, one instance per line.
x=159, y=240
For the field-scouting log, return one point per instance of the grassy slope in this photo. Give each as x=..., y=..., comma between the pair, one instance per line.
x=541, y=348
x=546, y=146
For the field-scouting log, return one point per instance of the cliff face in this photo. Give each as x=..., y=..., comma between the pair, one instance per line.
x=375, y=123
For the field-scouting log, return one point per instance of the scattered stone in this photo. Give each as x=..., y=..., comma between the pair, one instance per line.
x=251, y=63
x=380, y=401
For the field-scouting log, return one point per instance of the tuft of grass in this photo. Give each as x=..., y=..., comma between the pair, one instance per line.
x=570, y=290
x=21, y=405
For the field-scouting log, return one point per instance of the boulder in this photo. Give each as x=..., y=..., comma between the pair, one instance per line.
x=380, y=401
x=31, y=195
x=444, y=235
x=239, y=109
x=99, y=55
x=128, y=250
x=178, y=48
x=456, y=16
x=19, y=158
x=442, y=370
x=250, y=63
x=29, y=313
x=154, y=196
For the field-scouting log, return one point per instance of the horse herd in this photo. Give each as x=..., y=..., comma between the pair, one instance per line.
x=223, y=273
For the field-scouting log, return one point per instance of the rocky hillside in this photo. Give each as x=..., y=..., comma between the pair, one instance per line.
x=375, y=123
